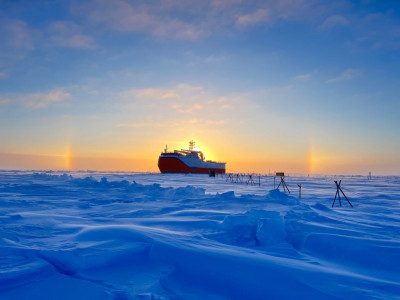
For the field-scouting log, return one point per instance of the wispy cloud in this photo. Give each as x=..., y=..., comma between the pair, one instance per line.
x=334, y=21
x=36, y=100
x=3, y=75
x=303, y=77
x=222, y=103
x=4, y=100
x=183, y=98
x=43, y=100
x=299, y=9
x=217, y=59
x=184, y=106
x=17, y=34
x=348, y=74
x=178, y=92
x=378, y=30
x=125, y=16
x=187, y=108
x=194, y=20
x=224, y=3
x=259, y=16
x=151, y=93
x=68, y=34
x=174, y=123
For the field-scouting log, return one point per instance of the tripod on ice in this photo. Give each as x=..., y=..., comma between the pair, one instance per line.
x=282, y=175
x=338, y=188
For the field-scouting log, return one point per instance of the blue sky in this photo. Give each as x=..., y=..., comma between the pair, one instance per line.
x=303, y=86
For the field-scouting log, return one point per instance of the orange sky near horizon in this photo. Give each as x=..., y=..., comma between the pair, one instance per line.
x=305, y=162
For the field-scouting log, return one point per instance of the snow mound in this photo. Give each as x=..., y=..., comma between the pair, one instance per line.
x=282, y=198
x=253, y=228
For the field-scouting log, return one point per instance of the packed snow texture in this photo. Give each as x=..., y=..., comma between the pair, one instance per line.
x=90, y=235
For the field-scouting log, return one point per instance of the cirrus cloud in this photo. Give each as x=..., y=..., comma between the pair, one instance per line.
x=334, y=21
x=69, y=34
x=127, y=17
x=303, y=77
x=36, y=100
x=347, y=74
x=259, y=16
x=17, y=34
x=174, y=123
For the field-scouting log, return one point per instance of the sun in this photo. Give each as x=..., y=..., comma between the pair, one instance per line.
x=201, y=145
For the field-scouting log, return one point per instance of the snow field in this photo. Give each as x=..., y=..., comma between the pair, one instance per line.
x=154, y=236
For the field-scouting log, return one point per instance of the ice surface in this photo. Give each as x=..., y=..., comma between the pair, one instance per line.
x=92, y=235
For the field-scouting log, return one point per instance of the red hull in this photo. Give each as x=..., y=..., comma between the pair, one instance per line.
x=175, y=165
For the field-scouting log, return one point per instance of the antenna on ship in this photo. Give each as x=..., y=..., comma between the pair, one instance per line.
x=191, y=145
x=166, y=148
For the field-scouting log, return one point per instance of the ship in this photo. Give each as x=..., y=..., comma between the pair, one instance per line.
x=188, y=161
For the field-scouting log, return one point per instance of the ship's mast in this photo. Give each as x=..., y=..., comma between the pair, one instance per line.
x=191, y=145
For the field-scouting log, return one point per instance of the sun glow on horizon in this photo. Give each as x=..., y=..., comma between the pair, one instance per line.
x=201, y=145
